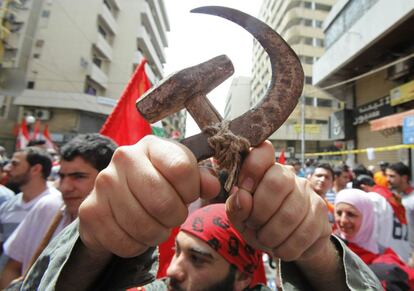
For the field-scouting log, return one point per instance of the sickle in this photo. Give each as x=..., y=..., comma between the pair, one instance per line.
x=281, y=97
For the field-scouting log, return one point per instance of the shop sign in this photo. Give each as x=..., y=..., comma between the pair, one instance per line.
x=402, y=93
x=309, y=128
x=408, y=130
x=373, y=110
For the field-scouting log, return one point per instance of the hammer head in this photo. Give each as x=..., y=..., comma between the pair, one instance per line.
x=173, y=92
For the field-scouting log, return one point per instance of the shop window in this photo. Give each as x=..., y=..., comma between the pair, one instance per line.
x=324, y=103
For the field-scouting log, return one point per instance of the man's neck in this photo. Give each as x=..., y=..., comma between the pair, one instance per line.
x=406, y=189
x=33, y=189
x=337, y=188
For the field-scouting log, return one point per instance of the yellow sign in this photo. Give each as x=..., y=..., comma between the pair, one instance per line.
x=309, y=128
x=402, y=93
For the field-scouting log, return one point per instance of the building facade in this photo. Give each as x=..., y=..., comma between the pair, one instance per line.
x=70, y=60
x=300, y=24
x=369, y=63
x=238, y=98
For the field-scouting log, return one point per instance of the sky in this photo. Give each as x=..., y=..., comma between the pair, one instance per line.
x=195, y=38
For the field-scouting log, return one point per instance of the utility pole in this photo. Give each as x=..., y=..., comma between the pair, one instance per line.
x=302, y=117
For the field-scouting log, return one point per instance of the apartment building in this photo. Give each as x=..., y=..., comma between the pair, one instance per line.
x=300, y=24
x=369, y=63
x=66, y=62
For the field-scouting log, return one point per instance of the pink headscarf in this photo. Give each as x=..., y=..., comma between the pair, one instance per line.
x=365, y=237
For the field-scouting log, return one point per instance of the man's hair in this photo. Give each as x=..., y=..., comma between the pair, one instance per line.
x=94, y=148
x=401, y=169
x=36, y=155
x=325, y=166
x=360, y=169
x=362, y=180
x=338, y=170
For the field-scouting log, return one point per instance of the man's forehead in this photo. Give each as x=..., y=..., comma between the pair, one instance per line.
x=322, y=171
x=189, y=241
x=77, y=164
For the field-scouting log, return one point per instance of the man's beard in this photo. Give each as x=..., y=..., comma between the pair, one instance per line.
x=20, y=180
x=224, y=285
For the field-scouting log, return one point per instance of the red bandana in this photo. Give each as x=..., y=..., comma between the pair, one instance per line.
x=211, y=225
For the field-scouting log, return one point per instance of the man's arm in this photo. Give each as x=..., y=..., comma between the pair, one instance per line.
x=11, y=271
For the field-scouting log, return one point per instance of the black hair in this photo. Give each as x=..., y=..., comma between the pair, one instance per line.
x=360, y=169
x=33, y=142
x=36, y=155
x=338, y=170
x=325, y=166
x=401, y=169
x=362, y=179
x=94, y=148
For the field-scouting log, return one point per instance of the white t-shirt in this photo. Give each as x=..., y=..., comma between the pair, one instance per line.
x=390, y=233
x=12, y=213
x=24, y=241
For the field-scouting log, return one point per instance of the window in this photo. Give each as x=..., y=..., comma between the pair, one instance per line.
x=36, y=56
x=45, y=13
x=308, y=22
x=308, y=40
x=309, y=101
x=102, y=31
x=97, y=61
x=324, y=103
x=30, y=85
x=318, y=23
x=308, y=80
x=90, y=90
x=322, y=7
x=308, y=4
x=108, y=5
x=319, y=42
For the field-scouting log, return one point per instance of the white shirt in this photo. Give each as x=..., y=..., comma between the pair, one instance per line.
x=24, y=241
x=390, y=233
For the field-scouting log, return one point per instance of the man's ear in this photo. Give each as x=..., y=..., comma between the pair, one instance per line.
x=242, y=281
x=36, y=169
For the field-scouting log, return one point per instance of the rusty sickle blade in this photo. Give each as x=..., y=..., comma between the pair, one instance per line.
x=283, y=93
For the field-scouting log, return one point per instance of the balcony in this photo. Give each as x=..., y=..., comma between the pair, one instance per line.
x=145, y=44
x=150, y=24
x=97, y=75
x=103, y=46
x=294, y=132
x=108, y=19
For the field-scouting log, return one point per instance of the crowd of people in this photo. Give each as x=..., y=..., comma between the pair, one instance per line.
x=139, y=197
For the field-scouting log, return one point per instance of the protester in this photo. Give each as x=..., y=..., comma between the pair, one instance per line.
x=321, y=180
x=341, y=179
x=5, y=193
x=398, y=176
x=392, y=229
x=82, y=159
x=144, y=193
x=380, y=177
x=29, y=169
x=355, y=220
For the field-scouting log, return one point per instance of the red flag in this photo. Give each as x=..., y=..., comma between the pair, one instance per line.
x=282, y=158
x=23, y=136
x=35, y=134
x=48, y=139
x=125, y=125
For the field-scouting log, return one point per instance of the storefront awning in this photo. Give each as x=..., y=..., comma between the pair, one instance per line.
x=394, y=120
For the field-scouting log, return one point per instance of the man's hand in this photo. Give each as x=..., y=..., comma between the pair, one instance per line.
x=141, y=195
x=276, y=211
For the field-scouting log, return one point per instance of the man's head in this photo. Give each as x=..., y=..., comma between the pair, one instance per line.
x=341, y=176
x=29, y=165
x=364, y=183
x=321, y=178
x=383, y=165
x=210, y=254
x=82, y=159
x=398, y=175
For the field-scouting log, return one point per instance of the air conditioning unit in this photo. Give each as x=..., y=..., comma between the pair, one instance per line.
x=42, y=114
x=398, y=70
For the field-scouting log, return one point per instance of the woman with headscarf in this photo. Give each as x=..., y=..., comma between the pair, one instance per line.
x=355, y=223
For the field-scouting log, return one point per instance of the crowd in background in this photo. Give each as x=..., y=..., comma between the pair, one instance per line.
x=41, y=191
